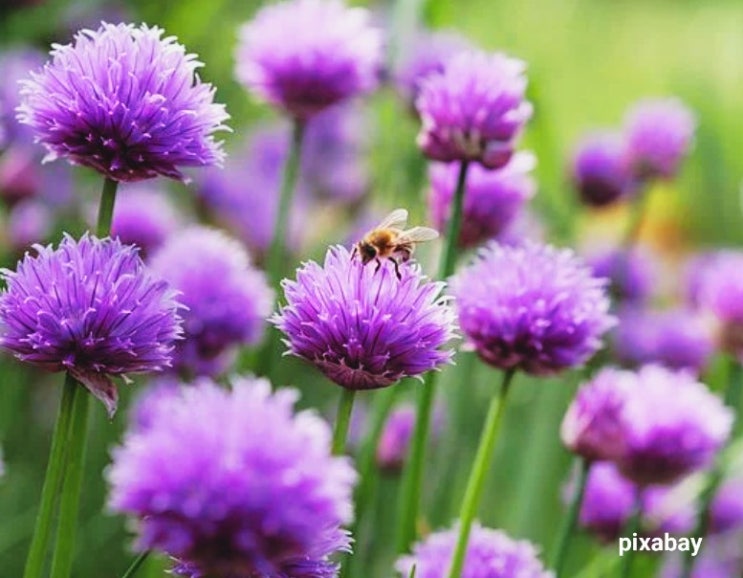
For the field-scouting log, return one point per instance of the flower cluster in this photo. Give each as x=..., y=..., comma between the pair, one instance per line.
x=126, y=102
x=257, y=494
x=91, y=308
x=363, y=328
x=532, y=307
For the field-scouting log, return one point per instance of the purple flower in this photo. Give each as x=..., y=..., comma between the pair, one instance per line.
x=721, y=557
x=721, y=294
x=532, y=307
x=365, y=328
x=726, y=509
x=14, y=66
x=22, y=177
x=334, y=54
x=659, y=134
x=426, y=55
x=492, y=198
x=29, y=222
x=631, y=274
x=490, y=554
x=234, y=483
x=609, y=501
x=593, y=426
x=673, y=426
x=599, y=169
x=91, y=308
x=474, y=110
x=126, y=102
x=676, y=338
x=145, y=217
x=244, y=195
x=227, y=300
x=392, y=448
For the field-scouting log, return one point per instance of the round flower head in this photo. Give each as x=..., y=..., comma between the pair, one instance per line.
x=91, y=308
x=673, y=426
x=257, y=493
x=659, y=134
x=144, y=217
x=721, y=294
x=630, y=274
x=609, y=501
x=677, y=339
x=490, y=554
x=427, y=55
x=599, y=169
x=227, y=300
x=532, y=307
x=126, y=102
x=492, y=198
x=593, y=427
x=365, y=328
x=474, y=110
x=334, y=54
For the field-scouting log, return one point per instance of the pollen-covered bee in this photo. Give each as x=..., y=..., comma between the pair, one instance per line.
x=389, y=240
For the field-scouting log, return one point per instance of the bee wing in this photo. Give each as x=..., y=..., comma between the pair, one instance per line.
x=397, y=219
x=418, y=235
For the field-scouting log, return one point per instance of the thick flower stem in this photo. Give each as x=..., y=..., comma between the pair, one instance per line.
x=275, y=262
x=732, y=400
x=570, y=519
x=138, y=561
x=106, y=208
x=633, y=526
x=479, y=472
x=70, y=499
x=52, y=481
x=342, y=421
x=412, y=482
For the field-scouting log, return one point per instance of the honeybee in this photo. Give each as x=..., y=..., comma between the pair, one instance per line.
x=389, y=240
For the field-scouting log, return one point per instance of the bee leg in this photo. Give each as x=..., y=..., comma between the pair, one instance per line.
x=353, y=253
x=397, y=268
x=379, y=264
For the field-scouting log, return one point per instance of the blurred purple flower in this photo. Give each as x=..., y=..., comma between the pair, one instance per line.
x=126, y=102
x=394, y=441
x=492, y=198
x=145, y=217
x=427, y=54
x=676, y=338
x=694, y=274
x=631, y=273
x=334, y=54
x=721, y=557
x=91, y=308
x=256, y=494
x=474, y=110
x=227, y=300
x=659, y=133
x=527, y=225
x=721, y=294
x=593, y=426
x=726, y=509
x=362, y=328
x=244, y=195
x=609, y=501
x=532, y=307
x=29, y=222
x=599, y=169
x=14, y=66
x=664, y=446
x=490, y=554
x=144, y=412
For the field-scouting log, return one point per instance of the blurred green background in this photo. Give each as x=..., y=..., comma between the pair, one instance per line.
x=588, y=61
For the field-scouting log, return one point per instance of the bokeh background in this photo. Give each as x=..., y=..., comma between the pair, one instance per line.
x=588, y=61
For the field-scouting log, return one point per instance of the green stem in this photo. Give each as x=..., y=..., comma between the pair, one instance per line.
x=52, y=481
x=732, y=400
x=64, y=549
x=275, y=262
x=636, y=218
x=478, y=473
x=412, y=482
x=633, y=527
x=106, y=208
x=570, y=519
x=138, y=561
x=342, y=421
